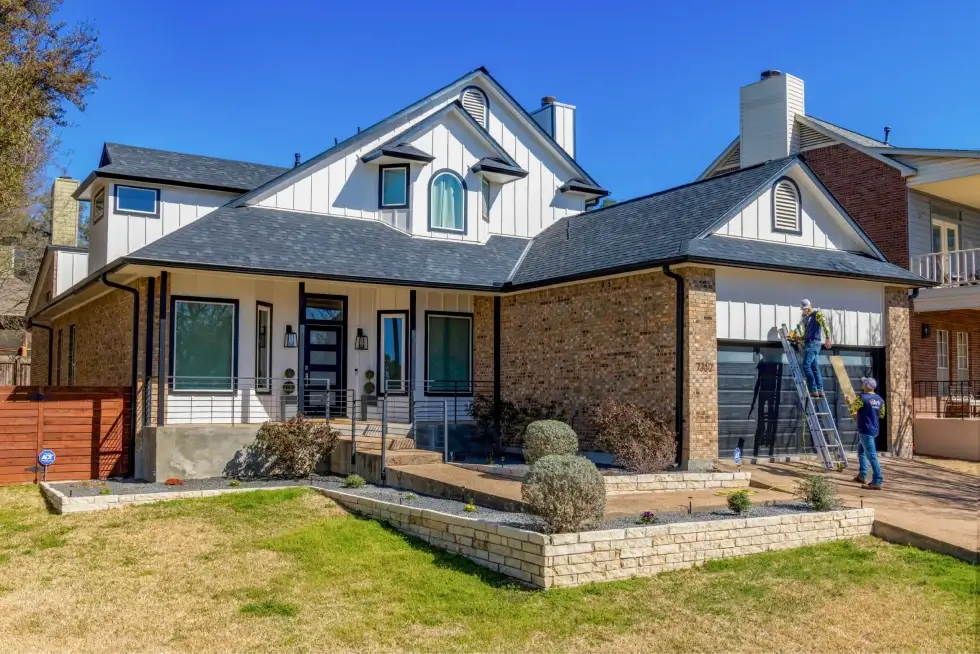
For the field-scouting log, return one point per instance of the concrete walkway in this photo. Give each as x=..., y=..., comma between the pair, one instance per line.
x=936, y=502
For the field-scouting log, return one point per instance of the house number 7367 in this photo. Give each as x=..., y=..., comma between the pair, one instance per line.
x=704, y=366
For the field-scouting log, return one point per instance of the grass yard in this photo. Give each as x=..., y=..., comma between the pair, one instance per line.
x=290, y=571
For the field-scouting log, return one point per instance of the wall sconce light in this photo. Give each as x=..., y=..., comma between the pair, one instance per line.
x=292, y=338
x=361, y=340
x=926, y=328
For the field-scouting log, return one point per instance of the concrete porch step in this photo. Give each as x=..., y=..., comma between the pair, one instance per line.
x=370, y=442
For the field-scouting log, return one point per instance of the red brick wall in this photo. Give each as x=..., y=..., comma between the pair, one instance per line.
x=872, y=192
x=924, y=349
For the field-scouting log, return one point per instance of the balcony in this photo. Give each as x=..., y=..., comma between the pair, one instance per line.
x=957, y=277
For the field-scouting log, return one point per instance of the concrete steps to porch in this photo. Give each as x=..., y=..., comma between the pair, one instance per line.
x=372, y=428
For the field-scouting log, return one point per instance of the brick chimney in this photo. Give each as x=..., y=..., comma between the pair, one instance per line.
x=64, y=212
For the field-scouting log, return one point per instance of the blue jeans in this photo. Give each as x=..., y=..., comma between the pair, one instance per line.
x=811, y=365
x=866, y=453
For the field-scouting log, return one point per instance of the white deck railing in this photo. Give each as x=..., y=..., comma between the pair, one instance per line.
x=949, y=269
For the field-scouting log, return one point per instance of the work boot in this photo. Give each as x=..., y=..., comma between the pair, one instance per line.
x=861, y=480
x=817, y=393
x=872, y=486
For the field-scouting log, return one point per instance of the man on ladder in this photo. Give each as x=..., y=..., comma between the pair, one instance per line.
x=814, y=332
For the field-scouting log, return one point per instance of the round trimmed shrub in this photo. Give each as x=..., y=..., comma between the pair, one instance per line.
x=548, y=437
x=566, y=491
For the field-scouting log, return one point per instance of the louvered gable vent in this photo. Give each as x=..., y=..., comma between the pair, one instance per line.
x=475, y=103
x=785, y=206
x=811, y=138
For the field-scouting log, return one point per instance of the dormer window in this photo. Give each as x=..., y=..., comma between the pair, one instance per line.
x=137, y=200
x=447, y=202
x=476, y=104
x=393, y=187
x=786, y=207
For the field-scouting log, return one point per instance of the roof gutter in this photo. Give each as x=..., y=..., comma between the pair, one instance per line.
x=134, y=367
x=679, y=346
x=30, y=324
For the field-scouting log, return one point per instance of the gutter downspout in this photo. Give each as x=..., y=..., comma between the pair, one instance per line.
x=131, y=456
x=30, y=324
x=679, y=361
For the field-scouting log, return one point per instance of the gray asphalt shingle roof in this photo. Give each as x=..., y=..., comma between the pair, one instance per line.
x=666, y=227
x=287, y=242
x=189, y=169
x=857, y=137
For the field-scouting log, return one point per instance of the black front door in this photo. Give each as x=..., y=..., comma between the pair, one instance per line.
x=323, y=368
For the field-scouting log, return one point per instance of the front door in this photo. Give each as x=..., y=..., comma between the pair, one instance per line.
x=323, y=366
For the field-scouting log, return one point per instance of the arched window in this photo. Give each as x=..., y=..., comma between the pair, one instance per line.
x=786, y=206
x=476, y=104
x=447, y=202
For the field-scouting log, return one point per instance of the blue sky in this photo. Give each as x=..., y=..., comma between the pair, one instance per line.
x=655, y=83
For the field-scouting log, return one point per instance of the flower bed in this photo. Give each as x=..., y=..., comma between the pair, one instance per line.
x=547, y=561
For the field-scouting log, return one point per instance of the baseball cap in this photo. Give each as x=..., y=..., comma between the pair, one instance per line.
x=805, y=304
x=869, y=382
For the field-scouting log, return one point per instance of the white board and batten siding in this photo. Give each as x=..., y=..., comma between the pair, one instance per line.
x=70, y=268
x=821, y=223
x=342, y=185
x=752, y=305
x=122, y=233
x=363, y=304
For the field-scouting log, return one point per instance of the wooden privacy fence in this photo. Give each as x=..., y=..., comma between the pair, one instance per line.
x=86, y=427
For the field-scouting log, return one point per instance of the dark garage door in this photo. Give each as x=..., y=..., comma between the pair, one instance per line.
x=758, y=408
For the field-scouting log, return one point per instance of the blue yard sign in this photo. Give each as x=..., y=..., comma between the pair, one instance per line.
x=738, y=456
x=46, y=458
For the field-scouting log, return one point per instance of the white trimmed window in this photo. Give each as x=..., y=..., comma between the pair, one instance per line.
x=962, y=356
x=786, y=207
x=137, y=200
x=942, y=356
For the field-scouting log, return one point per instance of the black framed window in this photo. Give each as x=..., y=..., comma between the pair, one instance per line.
x=98, y=206
x=393, y=351
x=61, y=337
x=204, y=333
x=393, y=186
x=263, y=347
x=324, y=309
x=138, y=200
x=485, y=197
x=71, y=355
x=448, y=352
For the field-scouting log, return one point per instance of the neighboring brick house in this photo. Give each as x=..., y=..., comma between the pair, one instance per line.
x=451, y=249
x=921, y=207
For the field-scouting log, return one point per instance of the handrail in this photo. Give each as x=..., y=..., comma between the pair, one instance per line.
x=949, y=269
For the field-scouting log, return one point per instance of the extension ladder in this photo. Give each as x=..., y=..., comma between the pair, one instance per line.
x=819, y=419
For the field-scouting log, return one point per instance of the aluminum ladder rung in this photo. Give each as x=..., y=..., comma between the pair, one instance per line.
x=833, y=453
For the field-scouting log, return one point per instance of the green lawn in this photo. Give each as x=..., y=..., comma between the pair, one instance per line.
x=290, y=571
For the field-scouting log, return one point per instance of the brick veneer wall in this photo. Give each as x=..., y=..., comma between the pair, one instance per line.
x=483, y=343
x=39, y=356
x=872, y=192
x=584, y=343
x=898, y=366
x=924, y=349
x=700, y=362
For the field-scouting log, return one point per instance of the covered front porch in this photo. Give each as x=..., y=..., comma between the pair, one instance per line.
x=243, y=349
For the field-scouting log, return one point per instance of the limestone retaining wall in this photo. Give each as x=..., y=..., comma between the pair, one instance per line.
x=547, y=561
x=64, y=504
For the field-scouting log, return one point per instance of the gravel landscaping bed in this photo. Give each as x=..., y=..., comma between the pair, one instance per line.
x=533, y=523
x=134, y=487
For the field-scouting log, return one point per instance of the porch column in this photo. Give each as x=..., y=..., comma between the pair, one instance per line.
x=162, y=362
x=301, y=353
x=898, y=371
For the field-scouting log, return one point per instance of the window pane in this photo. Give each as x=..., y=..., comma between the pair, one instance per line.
x=322, y=337
x=393, y=352
x=449, y=353
x=485, y=189
x=262, y=348
x=447, y=202
x=204, y=336
x=324, y=309
x=323, y=358
x=937, y=238
x=130, y=198
x=394, y=186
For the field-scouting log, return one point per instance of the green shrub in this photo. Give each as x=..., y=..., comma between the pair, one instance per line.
x=354, y=481
x=739, y=501
x=410, y=497
x=470, y=508
x=818, y=492
x=515, y=415
x=643, y=441
x=566, y=491
x=105, y=490
x=294, y=448
x=234, y=483
x=548, y=437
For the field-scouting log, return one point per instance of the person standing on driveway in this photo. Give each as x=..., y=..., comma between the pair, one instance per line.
x=868, y=409
x=815, y=335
